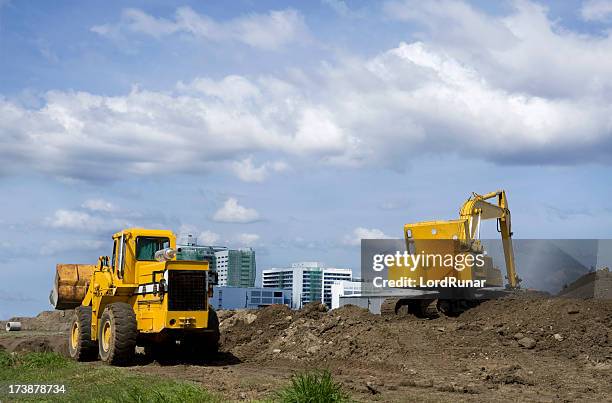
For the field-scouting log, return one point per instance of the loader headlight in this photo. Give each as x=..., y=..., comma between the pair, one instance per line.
x=165, y=254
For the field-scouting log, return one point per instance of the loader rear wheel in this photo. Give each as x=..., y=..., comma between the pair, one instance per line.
x=80, y=345
x=117, y=334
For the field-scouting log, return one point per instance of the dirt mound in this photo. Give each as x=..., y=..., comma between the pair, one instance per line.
x=568, y=327
x=246, y=330
x=312, y=310
x=558, y=327
x=50, y=343
x=46, y=321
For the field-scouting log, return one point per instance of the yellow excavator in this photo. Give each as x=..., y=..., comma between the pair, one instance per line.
x=457, y=238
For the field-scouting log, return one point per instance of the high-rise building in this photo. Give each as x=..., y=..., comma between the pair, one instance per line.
x=308, y=281
x=188, y=249
x=236, y=268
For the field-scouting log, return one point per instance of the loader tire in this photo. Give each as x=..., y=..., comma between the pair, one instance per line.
x=80, y=345
x=117, y=334
x=211, y=340
x=205, y=345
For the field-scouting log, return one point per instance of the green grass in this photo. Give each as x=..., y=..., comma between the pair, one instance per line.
x=312, y=387
x=91, y=382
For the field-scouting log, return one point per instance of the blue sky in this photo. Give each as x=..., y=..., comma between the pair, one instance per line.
x=293, y=127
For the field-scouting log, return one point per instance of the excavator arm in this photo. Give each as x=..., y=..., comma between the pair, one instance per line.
x=478, y=208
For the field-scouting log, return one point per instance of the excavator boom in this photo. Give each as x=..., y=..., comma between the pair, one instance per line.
x=478, y=208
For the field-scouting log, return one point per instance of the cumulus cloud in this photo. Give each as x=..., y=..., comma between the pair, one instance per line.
x=208, y=238
x=597, y=10
x=343, y=10
x=269, y=31
x=497, y=88
x=98, y=205
x=523, y=52
x=83, y=221
x=359, y=233
x=247, y=239
x=232, y=212
x=247, y=171
x=73, y=220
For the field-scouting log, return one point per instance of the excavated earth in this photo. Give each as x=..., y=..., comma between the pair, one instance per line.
x=527, y=348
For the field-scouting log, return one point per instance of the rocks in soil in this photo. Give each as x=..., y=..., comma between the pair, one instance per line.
x=511, y=374
x=527, y=342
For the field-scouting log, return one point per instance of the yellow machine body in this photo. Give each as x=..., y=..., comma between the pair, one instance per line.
x=138, y=280
x=460, y=238
x=439, y=242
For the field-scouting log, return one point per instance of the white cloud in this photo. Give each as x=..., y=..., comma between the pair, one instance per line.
x=597, y=10
x=82, y=221
x=487, y=87
x=269, y=31
x=232, y=212
x=246, y=171
x=246, y=239
x=523, y=52
x=359, y=233
x=70, y=219
x=98, y=205
x=208, y=238
x=339, y=6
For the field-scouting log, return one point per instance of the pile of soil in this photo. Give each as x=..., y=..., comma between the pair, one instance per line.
x=45, y=332
x=46, y=321
x=567, y=328
x=533, y=343
x=57, y=343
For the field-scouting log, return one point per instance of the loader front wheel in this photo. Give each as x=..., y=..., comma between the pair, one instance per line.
x=80, y=345
x=210, y=342
x=117, y=334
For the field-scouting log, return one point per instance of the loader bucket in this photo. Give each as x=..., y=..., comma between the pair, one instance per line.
x=70, y=287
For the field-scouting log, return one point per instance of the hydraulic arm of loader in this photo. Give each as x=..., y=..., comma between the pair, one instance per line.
x=477, y=208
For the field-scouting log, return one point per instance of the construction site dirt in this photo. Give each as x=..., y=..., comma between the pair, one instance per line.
x=528, y=348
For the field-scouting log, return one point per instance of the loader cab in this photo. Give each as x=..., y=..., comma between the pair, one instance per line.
x=146, y=246
x=135, y=248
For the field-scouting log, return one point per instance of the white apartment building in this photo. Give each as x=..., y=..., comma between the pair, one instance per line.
x=344, y=289
x=222, y=258
x=308, y=281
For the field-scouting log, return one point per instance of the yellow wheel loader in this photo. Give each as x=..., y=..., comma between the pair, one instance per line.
x=141, y=296
x=457, y=238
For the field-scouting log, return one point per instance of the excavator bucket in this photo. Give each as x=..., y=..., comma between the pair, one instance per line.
x=70, y=287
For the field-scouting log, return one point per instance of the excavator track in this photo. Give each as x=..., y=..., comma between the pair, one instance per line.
x=421, y=308
x=388, y=307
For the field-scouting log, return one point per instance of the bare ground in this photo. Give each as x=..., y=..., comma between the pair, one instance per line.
x=521, y=349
